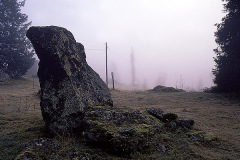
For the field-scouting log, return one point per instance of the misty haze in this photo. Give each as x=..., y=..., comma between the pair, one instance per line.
x=172, y=41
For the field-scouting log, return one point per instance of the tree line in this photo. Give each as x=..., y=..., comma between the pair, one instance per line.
x=227, y=67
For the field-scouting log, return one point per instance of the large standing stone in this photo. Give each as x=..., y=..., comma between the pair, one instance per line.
x=68, y=84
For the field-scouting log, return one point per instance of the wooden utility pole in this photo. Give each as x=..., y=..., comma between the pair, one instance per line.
x=113, y=80
x=106, y=66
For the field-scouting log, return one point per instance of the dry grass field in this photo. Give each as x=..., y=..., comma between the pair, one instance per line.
x=217, y=115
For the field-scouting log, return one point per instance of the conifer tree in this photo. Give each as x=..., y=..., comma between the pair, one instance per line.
x=227, y=71
x=16, y=54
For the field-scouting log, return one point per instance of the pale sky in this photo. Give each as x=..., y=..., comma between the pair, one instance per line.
x=172, y=40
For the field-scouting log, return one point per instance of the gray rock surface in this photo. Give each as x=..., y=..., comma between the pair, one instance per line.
x=170, y=119
x=121, y=131
x=156, y=112
x=68, y=84
x=186, y=123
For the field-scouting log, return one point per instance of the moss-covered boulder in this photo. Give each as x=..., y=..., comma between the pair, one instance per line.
x=125, y=131
x=120, y=130
x=68, y=84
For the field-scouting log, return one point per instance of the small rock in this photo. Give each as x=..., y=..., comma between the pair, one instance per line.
x=162, y=148
x=186, y=123
x=156, y=112
x=171, y=125
x=169, y=117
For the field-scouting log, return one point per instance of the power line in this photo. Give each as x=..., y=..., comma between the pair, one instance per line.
x=113, y=53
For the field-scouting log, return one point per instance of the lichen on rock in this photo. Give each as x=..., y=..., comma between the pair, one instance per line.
x=68, y=84
x=119, y=130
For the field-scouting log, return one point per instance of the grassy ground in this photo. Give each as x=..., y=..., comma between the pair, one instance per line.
x=20, y=117
x=217, y=115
